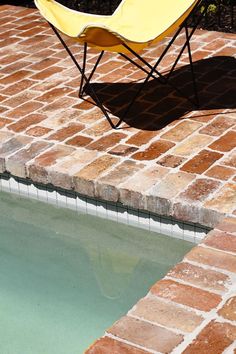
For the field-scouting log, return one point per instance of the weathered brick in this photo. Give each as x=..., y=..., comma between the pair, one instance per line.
x=187, y=212
x=79, y=141
x=44, y=86
x=13, y=78
x=200, y=277
x=226, y=51
x=19, y=99
x=84, y=179
x=66, y=132
x=106, y=187
x=84, y=105
x=145, y=179
x=181, y=131
x=166, y=314
x=53, y=94
x=108, y=345
x=225, y=200
x=153, y=151
x=145, y=334
x=8, y=59
x=2, y=98
x=52, y=156
x=213, y=339
x=201, y=162
x=16, y=164
x=221, y=172
x=9, y=69
x=4, y=121
x=141, y=138
x=62, y=103
x=42, y=64
x=228, y=311
x=98, y=129
x=158, y=205
x=60, y=119
x=4, y=136
x=107, y=141
x=199, y=190
x=17, y=87
x=205, y=116
x=230, y=160
x=221, y=240
x=212, y=258
x=24, y=109
x=10, y=146
x=227, y=225
x=26, y=122
x=38, y=131
x=29, y=33
x=109, y=66
x=225, y=143
x=46, y=73
x=122, y=150
x=171, y=185
x=76, y=161
x=218, y=126
x=186, y=295
x=171, y=161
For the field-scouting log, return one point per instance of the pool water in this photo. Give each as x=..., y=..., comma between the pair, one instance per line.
x=65, y=277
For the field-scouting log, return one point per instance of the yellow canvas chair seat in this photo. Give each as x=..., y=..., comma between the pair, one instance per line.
x=134, y=25
x=137, y=23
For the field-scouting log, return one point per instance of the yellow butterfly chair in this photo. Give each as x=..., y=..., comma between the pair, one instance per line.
x=134, y=25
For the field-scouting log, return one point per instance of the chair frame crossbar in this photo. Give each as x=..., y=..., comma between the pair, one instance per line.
x=151, y=71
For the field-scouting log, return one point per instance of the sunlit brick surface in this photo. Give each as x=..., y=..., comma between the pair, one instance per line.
x=167, y=158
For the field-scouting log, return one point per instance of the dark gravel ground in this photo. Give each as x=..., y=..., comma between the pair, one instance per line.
x=221, y=17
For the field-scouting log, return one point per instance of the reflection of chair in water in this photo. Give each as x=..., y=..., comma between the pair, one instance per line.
x=133, y=26
x=112, y=270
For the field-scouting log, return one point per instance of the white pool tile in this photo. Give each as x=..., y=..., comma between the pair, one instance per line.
x=5, y=185
x=102, y=209
x=144, y=220
x=155, y=223
x=23, y=190
x=133, y=217
x=122, y=214
x=177, y=228
x=71, y=203
x=81, y=203
x=52, y=197
x=91, y=206
x=33, y=191
x=106, y=210
x=61, y=200
x=14, y=186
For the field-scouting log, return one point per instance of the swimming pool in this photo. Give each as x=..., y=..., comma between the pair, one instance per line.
x=65, y=277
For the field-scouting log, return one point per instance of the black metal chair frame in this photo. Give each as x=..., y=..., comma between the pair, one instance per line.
x=150, y=70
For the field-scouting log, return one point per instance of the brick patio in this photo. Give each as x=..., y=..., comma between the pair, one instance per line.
x=166, y=158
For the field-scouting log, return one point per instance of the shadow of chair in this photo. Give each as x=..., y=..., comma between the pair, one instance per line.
x=159, y=105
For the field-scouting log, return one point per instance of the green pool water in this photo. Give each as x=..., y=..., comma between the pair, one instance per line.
x=65, y=277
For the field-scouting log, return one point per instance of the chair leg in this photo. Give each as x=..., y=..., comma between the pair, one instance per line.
x=82, y=86
x=85, y=79
x=191, y=68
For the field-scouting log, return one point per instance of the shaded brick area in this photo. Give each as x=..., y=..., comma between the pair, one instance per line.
x=167, y=158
